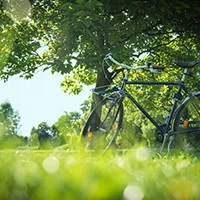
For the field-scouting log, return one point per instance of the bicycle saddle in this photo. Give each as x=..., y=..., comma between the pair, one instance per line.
x=186, y=64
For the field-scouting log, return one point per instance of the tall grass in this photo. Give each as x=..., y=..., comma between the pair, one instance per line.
x=137, y=174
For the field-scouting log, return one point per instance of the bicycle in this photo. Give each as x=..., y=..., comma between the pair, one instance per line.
x=105, y=120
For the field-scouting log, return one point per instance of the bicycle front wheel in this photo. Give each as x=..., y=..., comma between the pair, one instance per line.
x=103, y=124
x=187, y=124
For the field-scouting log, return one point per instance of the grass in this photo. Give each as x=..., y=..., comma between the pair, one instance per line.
x=137, y=174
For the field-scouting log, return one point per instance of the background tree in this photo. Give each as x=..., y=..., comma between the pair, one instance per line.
x=34, y=142
x=9, y=127
x=42, y=136
x=68, y=125
x=62, y=132
x=9, y=120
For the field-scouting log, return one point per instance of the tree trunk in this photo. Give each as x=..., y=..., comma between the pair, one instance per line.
x=102, y=80
x=102, y=83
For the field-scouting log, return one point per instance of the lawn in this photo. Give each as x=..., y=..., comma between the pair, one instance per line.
x=136, y=174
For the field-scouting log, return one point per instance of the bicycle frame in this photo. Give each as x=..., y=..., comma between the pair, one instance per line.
x=168, y=123
x=181, y=87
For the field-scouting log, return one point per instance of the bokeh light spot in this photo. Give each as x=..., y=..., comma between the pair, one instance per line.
x=51, y=164
x=120, y=161
x=70, y=160
x=182, y=164
x=142, y=153
x=133, y=192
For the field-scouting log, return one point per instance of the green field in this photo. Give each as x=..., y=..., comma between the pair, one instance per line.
x=136, y=174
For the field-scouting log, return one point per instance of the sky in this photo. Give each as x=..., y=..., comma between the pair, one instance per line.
x=40, y=99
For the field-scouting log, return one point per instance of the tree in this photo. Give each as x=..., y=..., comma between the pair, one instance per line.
x=42, y=135
x=78, y=33
x=65, y=123
x=60, y=133
x=67, y=126
x=9, y=120
x=9, y=127
x=34, y=141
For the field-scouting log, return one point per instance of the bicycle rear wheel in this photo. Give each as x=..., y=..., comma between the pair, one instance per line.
x=103, y=124
x=187, y=123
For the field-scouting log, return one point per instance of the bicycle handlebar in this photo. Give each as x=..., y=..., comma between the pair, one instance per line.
x=151, y=68
x=108, y=56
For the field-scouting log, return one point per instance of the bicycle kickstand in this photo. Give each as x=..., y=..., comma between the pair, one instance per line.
x=163, y=143
x=171, y=138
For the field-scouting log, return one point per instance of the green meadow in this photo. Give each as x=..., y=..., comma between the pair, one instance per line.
x=128, y=175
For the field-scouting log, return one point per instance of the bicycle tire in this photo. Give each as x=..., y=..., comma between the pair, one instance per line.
x=103, y=124
x=187, y=120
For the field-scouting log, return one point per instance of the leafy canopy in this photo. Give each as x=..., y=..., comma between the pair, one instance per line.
x=69, y=36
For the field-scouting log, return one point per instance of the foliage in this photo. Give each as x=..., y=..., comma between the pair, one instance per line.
x=9, y=128
x=9, y=120
x=64, y=131
x=43, y=135
x=77, y=34
x=68, y=126
x=34, y=142
x=140, y=175
x=13, y=142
